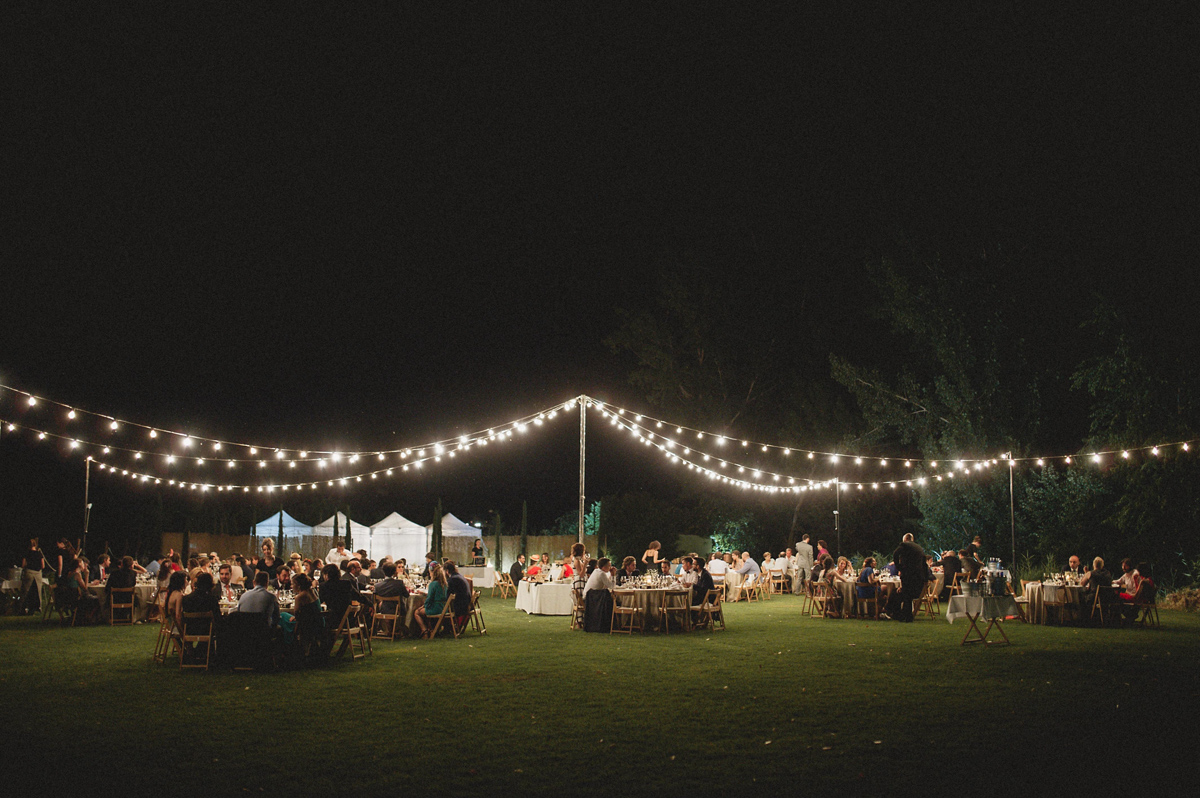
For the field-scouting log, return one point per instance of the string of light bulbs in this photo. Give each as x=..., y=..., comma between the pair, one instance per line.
x=840, y=458
x=255, y=452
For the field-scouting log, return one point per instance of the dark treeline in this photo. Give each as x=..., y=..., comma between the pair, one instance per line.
x=970, y=360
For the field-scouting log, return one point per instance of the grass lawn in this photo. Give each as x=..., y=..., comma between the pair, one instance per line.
x=777, y=701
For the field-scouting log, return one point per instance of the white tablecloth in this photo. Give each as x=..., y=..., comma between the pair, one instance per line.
x=481, y=576
x=547, y=598
x=987, y=607
x=143, y=597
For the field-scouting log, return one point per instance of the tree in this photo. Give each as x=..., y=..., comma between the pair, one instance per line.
x=436, y=537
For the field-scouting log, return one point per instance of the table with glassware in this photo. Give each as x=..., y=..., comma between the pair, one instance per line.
x=545, y=598
x=143, y=597
x=648, y=595
x=1053, y=591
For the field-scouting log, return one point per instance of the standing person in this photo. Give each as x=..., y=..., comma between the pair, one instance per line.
x=31, y=578
x=910, y=561
x=477, y=552
x=337, y=555
x=651, y=556
x=822, y=550
x=579, y=563
x=804, y=564
x=63, y=559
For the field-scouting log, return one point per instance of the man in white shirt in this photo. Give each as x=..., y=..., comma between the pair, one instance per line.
x=259, y=599
x=601, y=578
x=338, y=555
x=718, y=568
x=687, y=576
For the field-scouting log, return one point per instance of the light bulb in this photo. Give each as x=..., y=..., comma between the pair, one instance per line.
x=71, y=414
x=253, y=450
x=114, y=424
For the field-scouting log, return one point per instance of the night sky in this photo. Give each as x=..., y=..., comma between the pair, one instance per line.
x=362, y=231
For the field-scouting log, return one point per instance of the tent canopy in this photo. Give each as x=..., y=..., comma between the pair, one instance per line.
x=291, y=527
x=396, y=537
x=452, y=527
x=358, y=532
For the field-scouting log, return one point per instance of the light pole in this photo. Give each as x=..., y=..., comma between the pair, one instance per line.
x=1012, y=509
x=837, y=514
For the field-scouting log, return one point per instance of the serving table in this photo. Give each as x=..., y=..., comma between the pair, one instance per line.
x=991, y=608
x=544, y=598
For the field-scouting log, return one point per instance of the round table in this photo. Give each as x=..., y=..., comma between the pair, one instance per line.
x=544, y=598
x=143, y=598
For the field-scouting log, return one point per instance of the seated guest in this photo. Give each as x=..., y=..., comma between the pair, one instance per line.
x=703, y=581
x=259, y=599
x=226, y=590
x=123, y=576
x=338, y=593
x=567, y=570
x=307, y=609
x=200, y=600
x=1073, y=566
x=435, y=599
x=597, y=600
x=664, y=567
x=459, y=589
x=971, y=566
x=689, y=571
x=152, y=568
x=71, y=586
x=429, y=560
x=1141, y=574
x=296, y=563
x=748, y=566
x=833, y=597
x=767, y=562
x=951, y=567
x=600, y=578
x=517, y=572
x=535, y=567
x=376, y=572
x=1093, y=580
x=391, y=586
x=402, y=567
x=628, y=571
x=1127, y=581
x=354, y=573
x=867, y=584
x=817, y=573
x=283, y=578
x=172, y=599
x=1146, y=593
x=718, y=568
x=101, y=569
x=546, y=565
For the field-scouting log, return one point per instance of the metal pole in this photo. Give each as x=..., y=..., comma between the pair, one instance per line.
x=1012, y=512
x=837, y=515
x=87, y=503
x=582, y=453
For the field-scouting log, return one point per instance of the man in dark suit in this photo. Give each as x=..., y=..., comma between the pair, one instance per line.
x=704, y=580
x=517, y=572
x=460, y=587
x=391, y=586
x=951, y=567
x=910, y=561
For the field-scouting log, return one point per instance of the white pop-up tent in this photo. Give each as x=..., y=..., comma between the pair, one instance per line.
x=359, y=533
x=396, y=537
x=295, y=534
x=457, y=537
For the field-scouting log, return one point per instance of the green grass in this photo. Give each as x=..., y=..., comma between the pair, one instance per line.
x=777, y=701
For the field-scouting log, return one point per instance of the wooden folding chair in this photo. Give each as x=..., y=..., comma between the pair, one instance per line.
x=350, y=630
x=820, y=600
x=806, y=598
x=389, y=617
x=196, y=620
x=577, y=608
x=748, y=589
x=1059, y=603
x=476, y=616
x=446, y=616
x=677, y=603
x=955, y=588
x=778, y=581
x=505, y=586
x=926, y=601
x=625, y=606
x=1021, y=601
x=708, y=613
x=117, y=601
x=866, y=603
x=166, y=637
